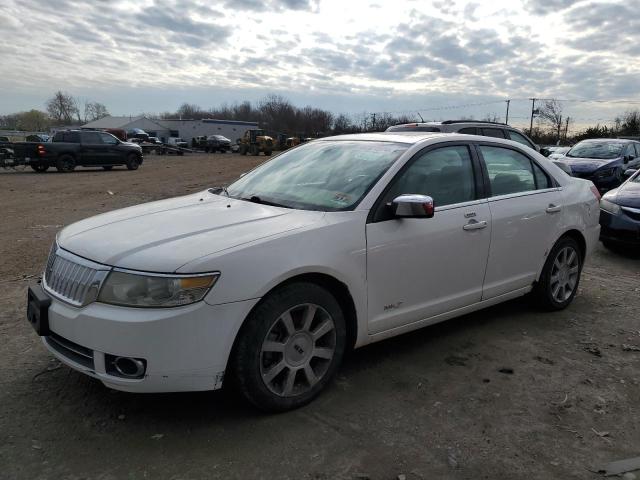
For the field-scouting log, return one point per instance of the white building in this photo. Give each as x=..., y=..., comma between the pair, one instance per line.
x=185, y=129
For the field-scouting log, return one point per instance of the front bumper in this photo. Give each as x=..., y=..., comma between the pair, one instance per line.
x=619, y=228
x=185, y=348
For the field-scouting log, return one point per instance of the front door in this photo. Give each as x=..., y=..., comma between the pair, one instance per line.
x=525, y=211
x=110, y=147
x=421, y=267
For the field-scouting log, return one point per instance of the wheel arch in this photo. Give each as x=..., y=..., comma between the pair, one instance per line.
x=337, y=288
x=576, y=235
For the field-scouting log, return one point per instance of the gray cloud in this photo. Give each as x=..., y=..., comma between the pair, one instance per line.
x=545, y=7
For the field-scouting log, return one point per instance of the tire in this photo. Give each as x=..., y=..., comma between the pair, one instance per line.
x=242, y=150
x=275, y=366
x=268, y=153
x=255, y=151
x=108, y=167
x=39, y=168
x=560, y=274
x=66, y=163
x=133, y=161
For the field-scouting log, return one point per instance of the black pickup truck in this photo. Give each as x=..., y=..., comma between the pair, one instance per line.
x=78, y=148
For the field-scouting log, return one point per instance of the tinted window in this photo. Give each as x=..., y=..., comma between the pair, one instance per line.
x=446, y=174
x=509, y=171
x=91, y=137
x=492, y=132
x=71, y=137
x=469, y=131
x=108, y=139
x=516, y=137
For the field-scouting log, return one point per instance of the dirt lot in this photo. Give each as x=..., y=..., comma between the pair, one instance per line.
x=431, y=404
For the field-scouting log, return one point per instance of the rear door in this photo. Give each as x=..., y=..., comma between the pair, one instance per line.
x=526, y=208
x=418, y=268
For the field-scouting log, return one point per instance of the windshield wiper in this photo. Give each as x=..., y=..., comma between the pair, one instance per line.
x=261, y=201
x=218, y=190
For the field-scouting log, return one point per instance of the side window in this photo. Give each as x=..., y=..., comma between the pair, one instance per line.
x=631, y=150
x=516, y=137
x=445, y=174
x=493, y=132
x=469, y=131
x=542, y=179
x=108, y=139
x=509, y=171
x=91, y=138
x=637, y=145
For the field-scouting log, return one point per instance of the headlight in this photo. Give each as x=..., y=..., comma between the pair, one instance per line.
x=610, y=207
x=606, y=173
x=148, y=290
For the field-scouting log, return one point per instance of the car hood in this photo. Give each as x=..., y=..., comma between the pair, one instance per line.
x=165, y=235
x=626, y=195
x=581, y=165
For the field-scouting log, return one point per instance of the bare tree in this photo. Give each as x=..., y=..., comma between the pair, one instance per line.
x=62, y=108
x=94, y=111
x=550, y=113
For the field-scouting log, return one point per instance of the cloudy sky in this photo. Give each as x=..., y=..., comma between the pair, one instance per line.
x=347, y=56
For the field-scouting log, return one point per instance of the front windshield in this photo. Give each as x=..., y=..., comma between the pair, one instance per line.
x=324, y=175
x=602, y=150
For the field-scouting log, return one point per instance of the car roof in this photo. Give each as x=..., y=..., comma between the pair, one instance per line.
x=610, y=140
x=397, y=137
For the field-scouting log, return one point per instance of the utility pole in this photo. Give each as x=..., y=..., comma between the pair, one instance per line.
x=373, y=120
x=507, y=120
x=566, y=128
x=533, y=108
x=559, y=127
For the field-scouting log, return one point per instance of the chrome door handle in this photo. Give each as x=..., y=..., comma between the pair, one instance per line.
x=475, y=225
x=553, y=208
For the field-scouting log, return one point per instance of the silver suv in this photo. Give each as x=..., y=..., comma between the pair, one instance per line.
x=470, y=127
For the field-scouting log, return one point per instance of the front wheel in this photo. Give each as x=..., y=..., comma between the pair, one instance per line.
x=289, y=348
x=133, y=161
x=560, y=276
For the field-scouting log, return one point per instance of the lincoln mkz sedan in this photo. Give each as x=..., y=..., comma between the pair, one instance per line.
x=329, y=246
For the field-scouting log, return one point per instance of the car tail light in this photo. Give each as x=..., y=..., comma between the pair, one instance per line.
x=41, y=150
x=596, y=192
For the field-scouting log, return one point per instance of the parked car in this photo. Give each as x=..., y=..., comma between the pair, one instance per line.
x=137, y=133
x=620, y=213
x=217, y=143
x=558, y=152
x=603, y=160
x=80, y=148
x=334, y=244
x=155, y=140
x=177, y=142
x=469, y=127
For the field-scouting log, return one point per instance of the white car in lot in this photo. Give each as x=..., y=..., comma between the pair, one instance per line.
x=331, y=245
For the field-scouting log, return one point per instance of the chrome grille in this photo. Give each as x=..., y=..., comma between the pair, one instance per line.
x=72, y=278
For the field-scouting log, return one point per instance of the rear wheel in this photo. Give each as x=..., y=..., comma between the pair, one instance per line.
x=133, y=161
x=66, y=163
x=560, y=276
x=289, y=348
x=39, y=167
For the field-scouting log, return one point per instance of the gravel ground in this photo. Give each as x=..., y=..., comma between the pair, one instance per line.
x=508, y=392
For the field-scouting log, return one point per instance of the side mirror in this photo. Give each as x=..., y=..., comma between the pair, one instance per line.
x=629, y=172
x=413, y=206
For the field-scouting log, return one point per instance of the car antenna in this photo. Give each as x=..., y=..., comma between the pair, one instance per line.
x=421, y=119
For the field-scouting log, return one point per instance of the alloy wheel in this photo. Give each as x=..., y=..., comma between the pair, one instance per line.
x=564, y=274
x=297, y=350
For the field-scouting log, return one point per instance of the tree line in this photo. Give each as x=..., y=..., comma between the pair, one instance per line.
x=62, y=109
x=276, y=114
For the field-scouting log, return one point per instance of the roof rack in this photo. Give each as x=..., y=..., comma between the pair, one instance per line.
x=449, y=122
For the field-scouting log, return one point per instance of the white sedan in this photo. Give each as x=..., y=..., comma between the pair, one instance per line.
x=332, y=245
